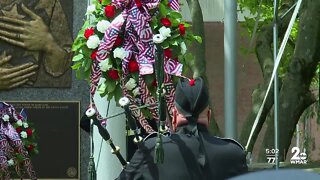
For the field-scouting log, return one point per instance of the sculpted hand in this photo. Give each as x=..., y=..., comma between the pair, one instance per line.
x=31, y=35
x=35, y=35
x=12, y=77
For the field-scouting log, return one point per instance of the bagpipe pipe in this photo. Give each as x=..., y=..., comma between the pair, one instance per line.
x=93, y=120
x=91, y=113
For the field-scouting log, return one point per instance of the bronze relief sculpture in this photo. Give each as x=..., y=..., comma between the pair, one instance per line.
x=35, y=44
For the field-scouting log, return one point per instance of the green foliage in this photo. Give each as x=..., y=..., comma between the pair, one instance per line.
x=163, y=10
x=316, y=79
x=198, y=38
x=266, y=17
x=105, y=2
x=78, y=57
x=265, y=9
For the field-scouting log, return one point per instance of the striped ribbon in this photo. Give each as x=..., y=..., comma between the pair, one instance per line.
x=10, y=143
x=136, y=113
x=174, y=4
x=138, y=43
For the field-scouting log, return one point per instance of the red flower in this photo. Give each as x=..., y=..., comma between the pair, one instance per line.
x=30, y=147
x=118, y=41
x=133, y=66
x=100, y=1
x=19, y=130
x=168, y=53
x=88, y=32
x=154, y=83
x=113, y=74
x=109, y=11
x=192, y=81
x=166, y=22
x=20, y=117
x=93, y=55
x=182, y=29
x=29, y=132
x=138, y=3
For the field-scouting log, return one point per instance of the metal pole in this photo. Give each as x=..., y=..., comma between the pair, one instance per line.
x=298, y=135
x=230, y=68
x=276, y=84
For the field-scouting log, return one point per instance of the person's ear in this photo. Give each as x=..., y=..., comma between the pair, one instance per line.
x=174, y=119
x=209, y=116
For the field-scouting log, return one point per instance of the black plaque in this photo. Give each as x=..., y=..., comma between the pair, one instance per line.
x=57, y=126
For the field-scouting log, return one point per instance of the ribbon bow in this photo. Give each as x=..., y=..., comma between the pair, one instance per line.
x=137, y=36
x=138, y=41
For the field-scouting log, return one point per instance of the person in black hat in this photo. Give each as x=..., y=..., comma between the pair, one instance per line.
x=190, y=153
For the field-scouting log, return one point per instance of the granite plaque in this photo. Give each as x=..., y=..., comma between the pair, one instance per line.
x=57, y=127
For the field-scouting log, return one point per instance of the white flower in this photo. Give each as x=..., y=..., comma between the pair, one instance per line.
x=136, y=91
x=5, y=118
x=25, y=125
x=119, y=53
x=10, y=162
x=158, y=38
x=19, y=123
x=102, y=86
x=183, y=48
x=104, y=65
x=91, y=9
x=131, y=84
x=93, y=42
x=103, y=25
x=124, y=101
x=165, y=32
x=102, y=80
x=23, y=134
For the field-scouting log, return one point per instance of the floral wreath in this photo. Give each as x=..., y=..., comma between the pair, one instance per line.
x=18, y=142
x=116, y=51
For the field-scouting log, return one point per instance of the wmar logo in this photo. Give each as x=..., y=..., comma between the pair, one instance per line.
x=298, y=157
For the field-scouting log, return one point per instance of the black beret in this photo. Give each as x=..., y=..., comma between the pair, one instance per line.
x=191, y=97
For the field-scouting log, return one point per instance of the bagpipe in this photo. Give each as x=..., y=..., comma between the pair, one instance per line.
x=91, y=114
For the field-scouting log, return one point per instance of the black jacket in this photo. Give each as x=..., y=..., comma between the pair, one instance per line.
x=184, y=159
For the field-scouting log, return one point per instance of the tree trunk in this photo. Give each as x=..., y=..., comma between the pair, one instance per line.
x=264, y=53
x=265, y=57
x=199, y=50
x=198, y=66
x=295, y=95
